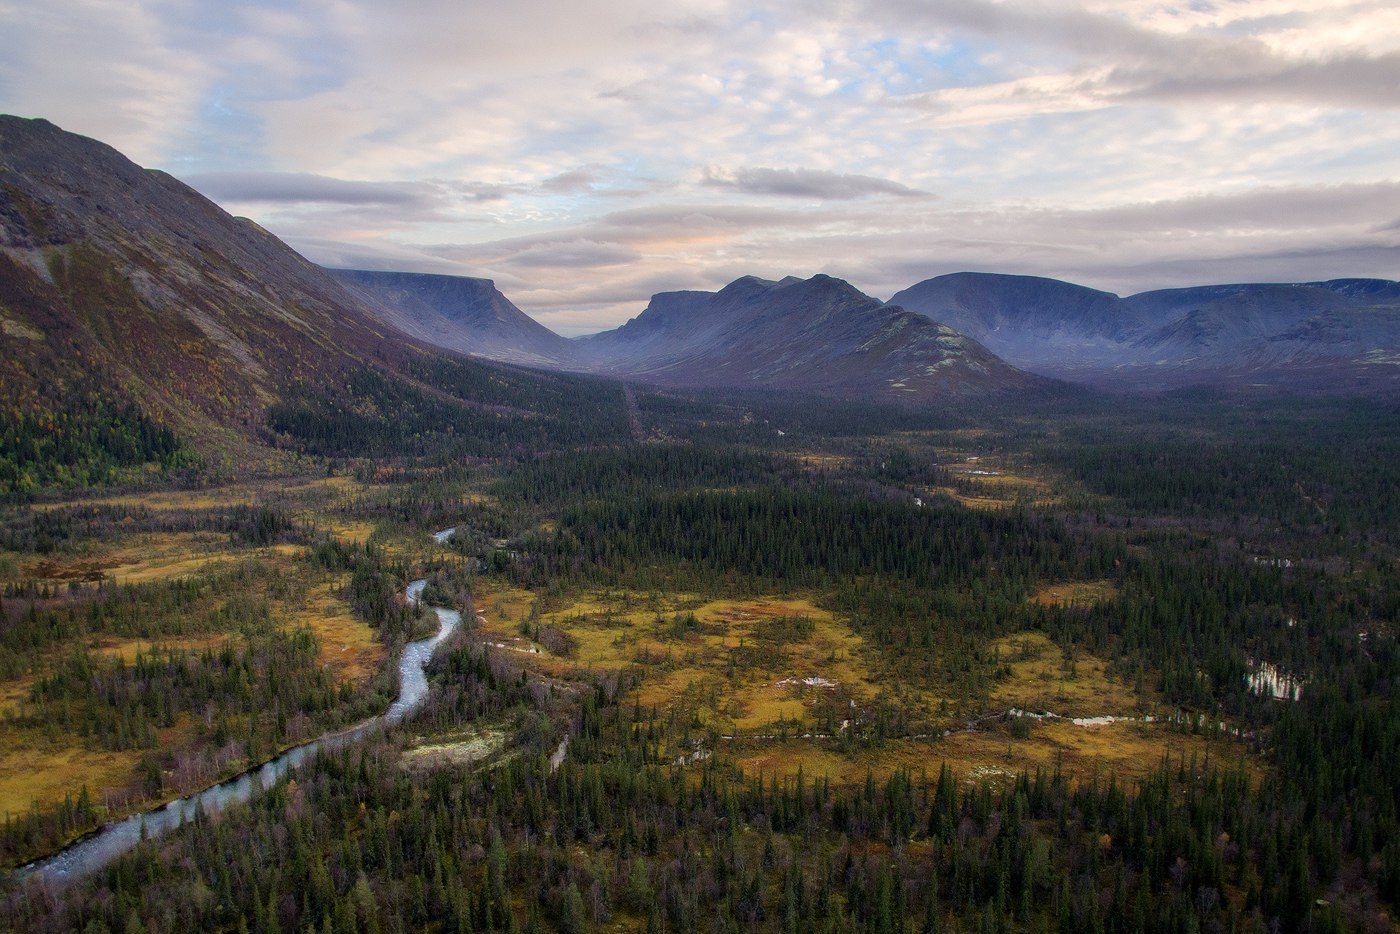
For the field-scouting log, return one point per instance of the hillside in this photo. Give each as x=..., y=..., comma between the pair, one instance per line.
x=124, y=275
x=819, y=334
x=134, y=310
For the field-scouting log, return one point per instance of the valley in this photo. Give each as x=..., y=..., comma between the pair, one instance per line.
x=772, y=658
x=779, y=607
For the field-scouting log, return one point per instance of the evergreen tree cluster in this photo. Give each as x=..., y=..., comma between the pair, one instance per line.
x=453, y=408
x=85, y=439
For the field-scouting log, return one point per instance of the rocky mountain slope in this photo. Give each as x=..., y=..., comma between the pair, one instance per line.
x=124, y=275
x=457, y=312
x=1343, y=333
x=817, y=334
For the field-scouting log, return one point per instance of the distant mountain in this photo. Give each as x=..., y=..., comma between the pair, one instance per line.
x=1341, y=333
x=459, y=313
x=818, y=334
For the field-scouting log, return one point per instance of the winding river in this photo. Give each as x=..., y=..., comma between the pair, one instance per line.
x=94, y=851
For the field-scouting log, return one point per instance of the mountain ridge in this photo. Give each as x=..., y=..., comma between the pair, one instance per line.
x=111, y=267
x=1338, y=333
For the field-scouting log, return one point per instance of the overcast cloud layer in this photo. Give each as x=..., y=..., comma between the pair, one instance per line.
x=586, y=154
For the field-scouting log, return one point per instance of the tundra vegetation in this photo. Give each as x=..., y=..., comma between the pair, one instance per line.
x=820, y=665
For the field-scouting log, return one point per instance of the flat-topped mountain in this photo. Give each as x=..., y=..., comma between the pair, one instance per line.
x=817, y=334
x=1343, y=332
x=460, y=313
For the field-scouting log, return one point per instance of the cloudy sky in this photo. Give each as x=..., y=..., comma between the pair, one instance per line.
x=587, y=153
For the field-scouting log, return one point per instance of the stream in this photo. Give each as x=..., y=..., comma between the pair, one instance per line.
x=92, y=852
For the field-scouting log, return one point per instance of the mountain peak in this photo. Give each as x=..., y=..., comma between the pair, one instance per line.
x=819, y=333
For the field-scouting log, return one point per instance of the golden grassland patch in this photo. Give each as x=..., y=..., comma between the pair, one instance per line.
x=983, y=487
x=128, y=649
x=33, y=773
x=13, y=694
x=972, y=501
x=356, y=532
x=818, y=460
x=1043, y=679
x=148, y=557
x=348, y=644
x=135, y=559
x=34, y=769
x=233, y=494
x=1075, y=593
x=996, y=749
x=456, y=750
x=1126, y=750
x=738, y=664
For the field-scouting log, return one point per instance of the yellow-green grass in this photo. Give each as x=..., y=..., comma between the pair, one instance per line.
x=348, y=644
x=39, y=769
x=346, y=530
x=818, y=460
x=1042, y=680
x=996, y=491
x=146, y=557
x=612, y=631
x=128, y=649
x=13, y=694
x=234, y=494
x=1127, y=750
x=35, y=770
x=134, y=559
x=1075, y=593
x=459, y=750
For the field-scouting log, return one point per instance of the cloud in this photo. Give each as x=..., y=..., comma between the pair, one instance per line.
x=106, y=70
x=1251, y=71
x=574, y=254
x=806, y=183
x=1314, y=207
x=571, y=182
x=304, y=188
x=378, y=257
x=1119, y=61
x=1123, y=143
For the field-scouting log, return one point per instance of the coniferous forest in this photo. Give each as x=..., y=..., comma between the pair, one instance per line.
x=726, y=664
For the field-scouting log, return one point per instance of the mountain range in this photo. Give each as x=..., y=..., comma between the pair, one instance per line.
x=458, y=313
x=819, y=334
x=123, y=278
x=959, y=333
x=122, y=287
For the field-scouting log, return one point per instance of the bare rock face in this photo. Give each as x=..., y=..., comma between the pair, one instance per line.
x=1340, y=334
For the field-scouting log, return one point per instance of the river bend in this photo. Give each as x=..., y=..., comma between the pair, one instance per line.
x=92, y=852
